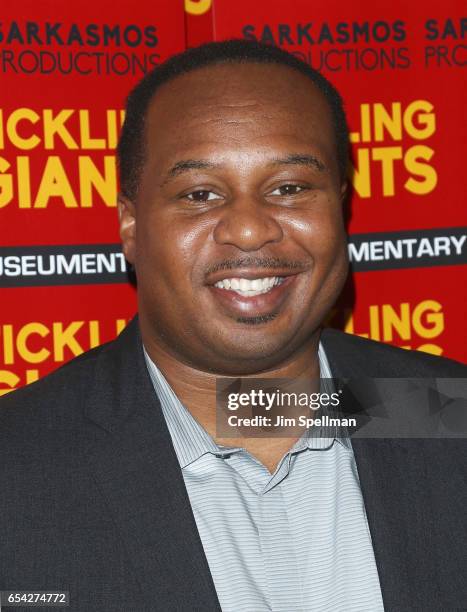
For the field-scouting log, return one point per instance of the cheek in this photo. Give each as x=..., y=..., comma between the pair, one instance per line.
x=320, y=233
x=168, y=248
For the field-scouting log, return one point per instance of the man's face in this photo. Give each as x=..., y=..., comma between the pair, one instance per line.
x=237, y=233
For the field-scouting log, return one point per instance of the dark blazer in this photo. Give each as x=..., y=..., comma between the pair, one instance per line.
x=92, y=499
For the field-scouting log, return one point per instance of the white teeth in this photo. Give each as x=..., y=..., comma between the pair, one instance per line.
x=256, y=284
x=247, y=287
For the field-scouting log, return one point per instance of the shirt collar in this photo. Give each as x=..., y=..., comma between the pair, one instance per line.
x=191, y=440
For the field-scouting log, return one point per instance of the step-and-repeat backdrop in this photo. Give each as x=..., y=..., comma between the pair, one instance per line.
x=66, y=69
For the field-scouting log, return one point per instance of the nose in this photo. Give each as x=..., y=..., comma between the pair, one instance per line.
x=248, y=224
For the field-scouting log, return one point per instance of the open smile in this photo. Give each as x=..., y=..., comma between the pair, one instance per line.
x=252, y=294
x=250, y=288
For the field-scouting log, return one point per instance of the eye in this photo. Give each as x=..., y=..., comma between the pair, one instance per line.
x=202, y=195
x=288, y=189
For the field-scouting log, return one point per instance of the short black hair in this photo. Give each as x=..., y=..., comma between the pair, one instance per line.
x=131, y=145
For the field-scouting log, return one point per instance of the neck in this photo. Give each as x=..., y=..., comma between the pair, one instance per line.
x=196, y=389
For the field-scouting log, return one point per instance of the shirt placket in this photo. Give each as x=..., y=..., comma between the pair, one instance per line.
x=281, y=565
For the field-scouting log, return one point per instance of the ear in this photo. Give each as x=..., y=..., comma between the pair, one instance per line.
x=345, y=203
x=127, y=219
x=344, y=190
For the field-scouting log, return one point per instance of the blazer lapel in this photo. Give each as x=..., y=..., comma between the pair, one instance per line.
x=135, y=467
x=398, y=495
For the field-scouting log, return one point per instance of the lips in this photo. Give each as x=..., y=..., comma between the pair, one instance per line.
x=252, y=293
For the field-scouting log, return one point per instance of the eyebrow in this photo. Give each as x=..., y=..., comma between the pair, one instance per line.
x=300, y=159
x=190, y=164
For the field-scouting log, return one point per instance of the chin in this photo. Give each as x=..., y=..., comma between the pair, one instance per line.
x=242, y=358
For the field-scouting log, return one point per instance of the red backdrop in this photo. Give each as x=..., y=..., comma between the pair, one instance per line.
x=66, y=69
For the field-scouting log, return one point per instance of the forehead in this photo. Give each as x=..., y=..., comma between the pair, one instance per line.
x=240, y=104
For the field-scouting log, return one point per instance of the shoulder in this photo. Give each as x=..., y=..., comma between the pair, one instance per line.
x=62, y=390
x=350, y=353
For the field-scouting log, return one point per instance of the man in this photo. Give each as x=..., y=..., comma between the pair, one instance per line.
x=115, y=484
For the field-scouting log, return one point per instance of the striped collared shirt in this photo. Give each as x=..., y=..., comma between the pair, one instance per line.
x=294, y=541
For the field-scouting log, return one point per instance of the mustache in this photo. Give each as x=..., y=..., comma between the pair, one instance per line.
x=272, y=263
